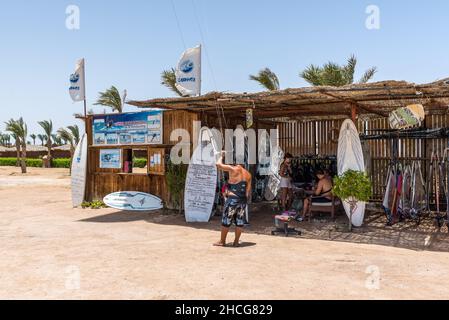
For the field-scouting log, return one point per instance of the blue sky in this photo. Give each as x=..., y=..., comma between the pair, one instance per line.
x=129, y=43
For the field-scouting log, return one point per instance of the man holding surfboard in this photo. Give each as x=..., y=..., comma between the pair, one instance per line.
x=237, y=195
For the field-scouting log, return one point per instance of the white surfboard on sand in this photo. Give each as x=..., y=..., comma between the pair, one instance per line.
x=350, y=157
x=133, y=201
x=79, y=172
x=201, y=181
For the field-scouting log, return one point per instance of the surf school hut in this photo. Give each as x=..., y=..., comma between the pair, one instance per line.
x=128, y=151
x=308, y=121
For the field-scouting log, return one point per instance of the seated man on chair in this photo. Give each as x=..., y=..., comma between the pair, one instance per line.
x=322, y=193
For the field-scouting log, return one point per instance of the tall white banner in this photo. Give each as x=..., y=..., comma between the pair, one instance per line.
x=77, y=89
x=188, y=72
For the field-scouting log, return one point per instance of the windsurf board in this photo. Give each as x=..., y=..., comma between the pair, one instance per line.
x=133, y=201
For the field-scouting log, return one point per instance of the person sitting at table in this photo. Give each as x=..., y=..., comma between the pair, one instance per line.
x=322, y=193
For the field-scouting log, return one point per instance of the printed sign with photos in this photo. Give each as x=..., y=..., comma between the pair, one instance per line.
x=128, y=128
x=110, y=159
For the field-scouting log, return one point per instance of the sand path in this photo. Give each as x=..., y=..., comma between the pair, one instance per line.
x=50, y=250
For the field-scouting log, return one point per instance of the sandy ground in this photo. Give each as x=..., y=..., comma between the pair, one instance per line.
x=52, y=251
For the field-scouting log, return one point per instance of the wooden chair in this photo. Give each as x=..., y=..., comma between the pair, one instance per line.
x=329, y=207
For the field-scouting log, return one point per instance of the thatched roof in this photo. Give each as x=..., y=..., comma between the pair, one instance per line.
x=372, y=99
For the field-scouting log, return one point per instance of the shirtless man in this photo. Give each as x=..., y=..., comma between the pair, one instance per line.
x=238, y=191
x=322, y=193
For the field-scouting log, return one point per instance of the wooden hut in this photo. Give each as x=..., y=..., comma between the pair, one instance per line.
x=308, y=120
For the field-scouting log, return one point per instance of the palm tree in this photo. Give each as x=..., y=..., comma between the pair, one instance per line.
x=17, y=144
x=332, y=74
x=47, y=125
x=111, y=98
x=23, y=134
x=8, y=140
x=57, y=141
x=267, y=79
x=75, y=131
x=41, y=137
x=20, y=130
x=3, y=139
x=33, y=137
x=168, y=79
x=10, y=126
x=67, y=136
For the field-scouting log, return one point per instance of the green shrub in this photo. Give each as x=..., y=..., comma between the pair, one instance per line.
x=176, y=178
x=60, y=163
x=353, y=185
x=85, y=205
x=10, y=162
x=36, y=163
x=139, y=162
x=96, y=204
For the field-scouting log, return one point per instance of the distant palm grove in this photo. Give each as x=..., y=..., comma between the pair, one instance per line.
x=17, y=135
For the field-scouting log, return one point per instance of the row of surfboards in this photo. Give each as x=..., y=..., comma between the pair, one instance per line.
x=405, y=195
x=408, y=196
x=202, y=173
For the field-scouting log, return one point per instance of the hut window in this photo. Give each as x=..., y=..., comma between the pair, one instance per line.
x=135, y=161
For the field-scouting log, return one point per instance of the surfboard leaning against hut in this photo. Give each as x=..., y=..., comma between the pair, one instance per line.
x=201, y=181
x=350, y=157
x=79, y=172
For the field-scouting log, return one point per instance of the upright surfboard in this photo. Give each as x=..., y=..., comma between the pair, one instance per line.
x=274, y=179
x=201, y=181
x=350, y=157
x=79, y=172
x=133, y=201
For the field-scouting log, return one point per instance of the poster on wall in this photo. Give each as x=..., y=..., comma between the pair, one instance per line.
x=110, y=159
x=128, y=128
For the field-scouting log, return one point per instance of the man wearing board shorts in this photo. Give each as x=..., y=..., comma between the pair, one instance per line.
x=237, y=195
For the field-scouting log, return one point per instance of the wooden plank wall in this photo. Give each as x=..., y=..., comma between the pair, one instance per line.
x=319, y=138
x=310, y=138
x=178, y=120
x=380, y=154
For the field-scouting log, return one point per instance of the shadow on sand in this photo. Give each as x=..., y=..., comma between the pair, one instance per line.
x=403, y=235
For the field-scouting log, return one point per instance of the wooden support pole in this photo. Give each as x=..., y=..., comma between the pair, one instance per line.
x=353, y=112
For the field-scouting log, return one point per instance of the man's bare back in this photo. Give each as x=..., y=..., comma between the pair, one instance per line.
x=239, y=184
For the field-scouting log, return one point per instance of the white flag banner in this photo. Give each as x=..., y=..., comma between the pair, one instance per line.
x=188, y=72
x=77, y=89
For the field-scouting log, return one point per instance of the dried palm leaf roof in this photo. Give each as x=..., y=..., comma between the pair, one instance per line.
x=371, y=99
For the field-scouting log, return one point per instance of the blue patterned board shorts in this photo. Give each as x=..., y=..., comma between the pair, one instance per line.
x=234, y=211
